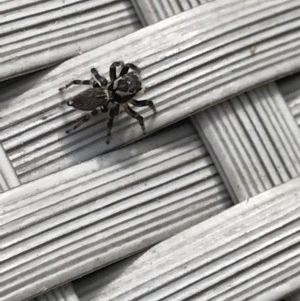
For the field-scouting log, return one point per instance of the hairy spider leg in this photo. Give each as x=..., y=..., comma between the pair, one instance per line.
x=135, y=115
x=102, y=81
x=128, y=66
x=76, y=82
x=82, y=120
x=143, y=103
x=113, y=70
x=112, y=113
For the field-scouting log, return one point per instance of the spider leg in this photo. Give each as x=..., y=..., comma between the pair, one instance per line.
x=82, y=120
x=128, y=66
x=76, y=82
x=113, y=70
x=104, y=109
x=135, y=115
x=144, y=103
x=112, y=113
x=102, y=81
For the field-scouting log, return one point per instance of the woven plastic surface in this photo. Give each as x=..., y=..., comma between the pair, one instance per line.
x=70, y=204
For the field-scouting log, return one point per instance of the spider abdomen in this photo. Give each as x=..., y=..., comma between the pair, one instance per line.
x=90, y=99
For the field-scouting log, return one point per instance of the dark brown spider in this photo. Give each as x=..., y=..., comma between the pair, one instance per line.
x=109, y=96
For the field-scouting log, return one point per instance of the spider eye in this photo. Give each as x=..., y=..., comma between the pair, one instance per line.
x=131, y=90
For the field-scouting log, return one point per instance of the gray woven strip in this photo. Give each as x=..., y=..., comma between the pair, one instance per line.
x=8, y=177
x=254, y=141
x=249, y=252
x=183, y=75
x=67, y=224
x=44, y=33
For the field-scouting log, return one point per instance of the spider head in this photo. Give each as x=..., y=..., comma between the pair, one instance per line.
x=128, y=86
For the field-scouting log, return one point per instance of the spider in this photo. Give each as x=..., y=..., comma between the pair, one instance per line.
x=106, y=96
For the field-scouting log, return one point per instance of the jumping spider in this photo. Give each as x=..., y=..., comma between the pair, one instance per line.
x=108, y=96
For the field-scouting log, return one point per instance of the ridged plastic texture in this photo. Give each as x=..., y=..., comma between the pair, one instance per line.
x=290, y=89
x=243, y=136
x=254, y=140
x=8, y=177
x=9, y=180
x=63, y=293
x=249, y=252
x=152, y=11
x=239, y=45
x=37, y=34
x=67, y=224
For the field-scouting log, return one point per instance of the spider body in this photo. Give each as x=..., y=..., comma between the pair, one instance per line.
x=126, y=87
x=90, y=99
x=109, y=96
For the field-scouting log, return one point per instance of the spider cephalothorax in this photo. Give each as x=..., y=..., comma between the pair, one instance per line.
x=109, y=96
